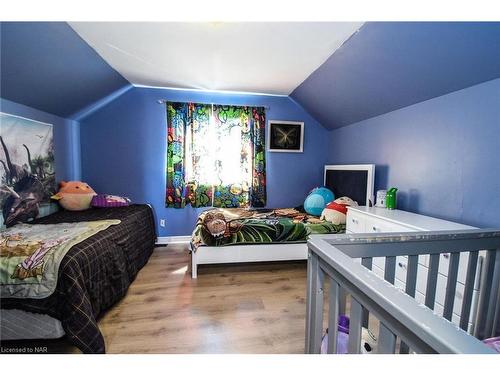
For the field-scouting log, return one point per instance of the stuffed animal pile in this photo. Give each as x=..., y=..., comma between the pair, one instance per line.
x=335, y=212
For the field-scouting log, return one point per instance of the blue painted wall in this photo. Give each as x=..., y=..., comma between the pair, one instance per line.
x=391, y=65
x=66, y=138
x=124, y=144
x=47, y=66
x=443, y=154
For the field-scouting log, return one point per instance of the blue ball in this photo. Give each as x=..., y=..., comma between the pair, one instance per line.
x=317, y=199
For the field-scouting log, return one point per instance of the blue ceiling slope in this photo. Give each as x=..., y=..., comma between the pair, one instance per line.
x=391, y=65
x=47, y=66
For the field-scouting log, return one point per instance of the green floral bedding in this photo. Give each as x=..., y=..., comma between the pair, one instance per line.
x=237, y=226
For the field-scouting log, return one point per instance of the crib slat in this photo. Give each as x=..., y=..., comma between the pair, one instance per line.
x=404, y=348
x=411, y=275
x=491, y=311
x=430, y=291
x=386, y=340
x=368, y=263
x=451, y=285
x=343, y=301
x=314, y=326
x=480, y=330
x=469, y=289
x=410, y=289
x=390, y=269
x=355, y=327
x=309, y=298
x=333, y=316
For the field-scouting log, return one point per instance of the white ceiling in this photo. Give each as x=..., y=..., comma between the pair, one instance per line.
x=272, y=57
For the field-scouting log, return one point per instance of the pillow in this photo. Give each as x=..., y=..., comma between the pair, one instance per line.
x=74, y=195
x=335, y=212
x=106, y=200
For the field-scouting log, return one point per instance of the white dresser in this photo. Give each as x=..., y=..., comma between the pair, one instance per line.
x=375, y=220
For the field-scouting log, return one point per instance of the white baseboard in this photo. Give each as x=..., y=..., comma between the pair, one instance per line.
x=172, y=239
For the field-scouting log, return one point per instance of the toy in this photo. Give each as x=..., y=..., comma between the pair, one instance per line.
x=23, y=201
x=493, y=343
x=390, y=199
x=317, y=200
x=335, y=212
x=342, y=337
x=368, y=339
x=74, y=195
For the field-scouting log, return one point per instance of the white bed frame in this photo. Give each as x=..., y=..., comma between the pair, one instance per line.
x=246, y=253
x=268, y=252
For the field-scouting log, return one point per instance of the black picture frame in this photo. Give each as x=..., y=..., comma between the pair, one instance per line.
x=285, y=136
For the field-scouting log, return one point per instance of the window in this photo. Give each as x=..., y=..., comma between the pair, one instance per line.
x=215, y=155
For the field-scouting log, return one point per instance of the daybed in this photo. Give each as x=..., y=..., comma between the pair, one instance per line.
x=239, y=236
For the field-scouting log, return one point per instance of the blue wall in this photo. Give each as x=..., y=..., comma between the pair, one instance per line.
x=66, y=138
x=443, y=154
x=124, y=146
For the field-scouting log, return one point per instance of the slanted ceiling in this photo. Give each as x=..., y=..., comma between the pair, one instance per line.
x=380, y=68
x=47, y=66
x=390, y=65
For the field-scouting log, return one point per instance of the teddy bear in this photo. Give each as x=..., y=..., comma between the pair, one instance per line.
x=335, y=212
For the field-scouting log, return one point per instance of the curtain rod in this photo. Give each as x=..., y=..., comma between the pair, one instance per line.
x=163, y=101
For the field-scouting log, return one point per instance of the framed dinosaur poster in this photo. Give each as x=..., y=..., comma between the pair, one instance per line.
x=27, y=168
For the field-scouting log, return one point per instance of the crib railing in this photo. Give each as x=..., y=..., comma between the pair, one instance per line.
x=332, y=258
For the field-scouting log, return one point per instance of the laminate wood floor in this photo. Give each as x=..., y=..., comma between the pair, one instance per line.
x=257, y=308
x=250, y=308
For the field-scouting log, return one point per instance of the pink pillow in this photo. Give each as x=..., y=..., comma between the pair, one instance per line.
x=106, y=200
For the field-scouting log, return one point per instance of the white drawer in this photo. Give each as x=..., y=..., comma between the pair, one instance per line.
x=378, y=271
x=422, y=271
x=403, y=260
x=441, y=289
x=374, y=225
x=444, y=263
x=438, y=309
x=420, y=295
x=401, y=270
x=355, y=222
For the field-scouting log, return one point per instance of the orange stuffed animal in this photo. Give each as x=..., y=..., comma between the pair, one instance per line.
x=74, y=195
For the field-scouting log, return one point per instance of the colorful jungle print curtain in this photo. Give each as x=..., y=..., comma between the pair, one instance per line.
x=215, y=156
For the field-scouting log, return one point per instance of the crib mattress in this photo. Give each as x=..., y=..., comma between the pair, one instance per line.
x=238, y=226
x=23, y=325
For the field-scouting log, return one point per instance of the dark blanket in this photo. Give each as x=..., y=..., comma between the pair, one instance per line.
x=95, y=273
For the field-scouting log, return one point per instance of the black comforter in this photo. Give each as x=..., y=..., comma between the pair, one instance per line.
x=95, y=273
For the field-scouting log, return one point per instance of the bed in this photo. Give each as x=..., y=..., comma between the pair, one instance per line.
x=268, y=228
x=93, y=275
